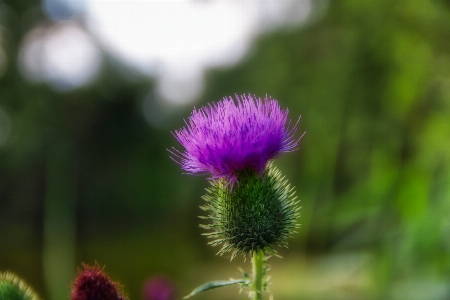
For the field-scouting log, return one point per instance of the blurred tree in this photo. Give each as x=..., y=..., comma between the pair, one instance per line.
x=77, y=164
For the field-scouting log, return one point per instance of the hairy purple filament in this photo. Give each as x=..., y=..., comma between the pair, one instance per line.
x=224, y=138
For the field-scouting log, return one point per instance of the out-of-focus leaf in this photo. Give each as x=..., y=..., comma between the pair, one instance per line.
x=216, y=284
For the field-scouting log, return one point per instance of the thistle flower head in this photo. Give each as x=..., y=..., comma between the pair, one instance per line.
x=93, y=284
x=230, y=136
x=14, y=288
x=258, y=214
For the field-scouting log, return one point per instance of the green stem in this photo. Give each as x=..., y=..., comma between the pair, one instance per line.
x=59, y=230
x=258, y=268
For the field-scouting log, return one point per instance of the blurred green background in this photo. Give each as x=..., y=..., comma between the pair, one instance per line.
x=84, y=177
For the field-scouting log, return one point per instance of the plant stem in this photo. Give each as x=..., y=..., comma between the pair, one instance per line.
x=258, y=268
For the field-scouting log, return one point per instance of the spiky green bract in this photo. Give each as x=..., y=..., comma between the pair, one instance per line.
x=256, y=214
x=14, y=288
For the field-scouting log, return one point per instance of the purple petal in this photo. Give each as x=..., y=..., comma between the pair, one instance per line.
x=227, y=137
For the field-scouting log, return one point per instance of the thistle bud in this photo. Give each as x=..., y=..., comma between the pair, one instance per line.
x=256, y=214
x=93, y=284
x=14, y=288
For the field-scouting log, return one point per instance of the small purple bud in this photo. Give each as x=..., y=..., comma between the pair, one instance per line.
x=158, y=288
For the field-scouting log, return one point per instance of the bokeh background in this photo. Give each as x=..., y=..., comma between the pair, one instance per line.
x=91, y=90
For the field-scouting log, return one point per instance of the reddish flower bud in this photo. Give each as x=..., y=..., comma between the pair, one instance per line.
x=93, y=284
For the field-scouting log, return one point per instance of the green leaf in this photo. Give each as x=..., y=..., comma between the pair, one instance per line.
x=215, y=284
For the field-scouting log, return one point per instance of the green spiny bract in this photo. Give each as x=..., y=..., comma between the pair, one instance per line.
x=13, y=288
x=258, y=212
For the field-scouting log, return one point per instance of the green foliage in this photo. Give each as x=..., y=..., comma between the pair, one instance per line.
x=255, y=214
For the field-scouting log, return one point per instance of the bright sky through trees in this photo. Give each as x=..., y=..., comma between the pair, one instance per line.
x=174, y=40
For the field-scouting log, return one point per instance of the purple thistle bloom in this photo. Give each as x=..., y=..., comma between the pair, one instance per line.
x=225, y=138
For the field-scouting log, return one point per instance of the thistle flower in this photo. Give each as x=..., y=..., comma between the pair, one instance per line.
x=234, y=143
x=14, y=288
x=225, y=138
x=93, y=284
x=256, y=215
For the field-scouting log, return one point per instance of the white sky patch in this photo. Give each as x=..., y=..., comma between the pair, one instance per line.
x=63, y=55
x=145, y=32
x=173, y=40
